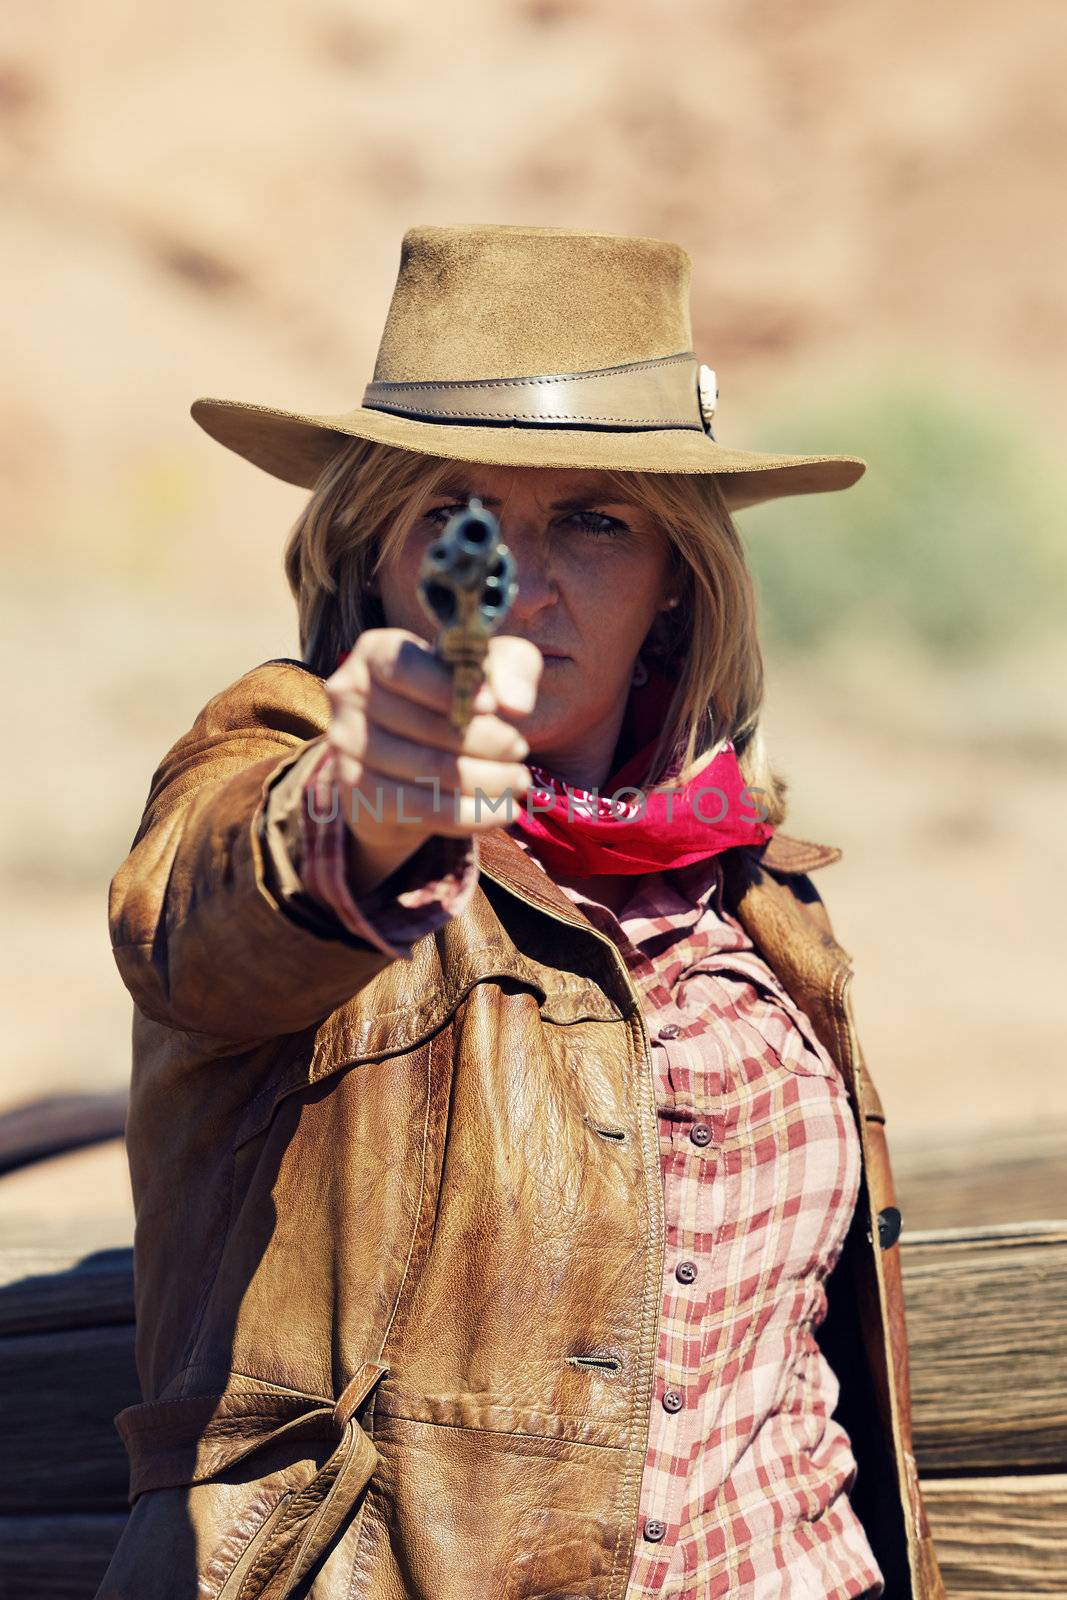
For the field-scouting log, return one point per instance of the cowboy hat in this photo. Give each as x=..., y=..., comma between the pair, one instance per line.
x=541, y=347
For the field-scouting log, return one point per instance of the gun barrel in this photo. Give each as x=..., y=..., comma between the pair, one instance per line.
x=467, y=586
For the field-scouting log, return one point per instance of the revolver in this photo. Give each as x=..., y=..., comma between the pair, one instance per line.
x=466, y=585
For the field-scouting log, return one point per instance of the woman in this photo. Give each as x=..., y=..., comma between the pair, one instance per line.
x=496, y=1168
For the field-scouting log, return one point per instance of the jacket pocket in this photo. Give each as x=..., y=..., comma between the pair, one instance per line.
x=766, y=1006
x=395, y=1018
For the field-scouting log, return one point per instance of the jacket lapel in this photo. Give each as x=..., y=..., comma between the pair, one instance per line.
x=813, y=968
x=508, y=864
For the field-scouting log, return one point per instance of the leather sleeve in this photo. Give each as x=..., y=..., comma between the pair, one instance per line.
x=205, y=936
x=309, y=858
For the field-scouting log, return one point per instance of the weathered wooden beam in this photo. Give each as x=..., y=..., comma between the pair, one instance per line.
x=53, y=1123
x=1000, y=1538
x=57, y=1557
x=987, y=1334
x=61, y=1392
x=975, y=1180
x=42, y=1288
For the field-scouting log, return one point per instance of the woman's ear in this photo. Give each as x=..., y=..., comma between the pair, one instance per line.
x=676, y=578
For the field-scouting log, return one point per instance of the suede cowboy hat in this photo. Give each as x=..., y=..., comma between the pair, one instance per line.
x=540, y=347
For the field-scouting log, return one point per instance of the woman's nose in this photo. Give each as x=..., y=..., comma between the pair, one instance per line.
x=537, y=584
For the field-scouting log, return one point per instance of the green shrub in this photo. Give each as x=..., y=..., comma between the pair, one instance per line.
x=952, y=541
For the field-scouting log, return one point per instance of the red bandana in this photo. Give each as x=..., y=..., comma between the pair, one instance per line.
x=642, y=831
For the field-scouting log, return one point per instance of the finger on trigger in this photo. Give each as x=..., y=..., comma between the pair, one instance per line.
x=414, y=671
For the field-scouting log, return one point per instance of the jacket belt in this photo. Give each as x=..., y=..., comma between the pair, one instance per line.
x=173, y=1443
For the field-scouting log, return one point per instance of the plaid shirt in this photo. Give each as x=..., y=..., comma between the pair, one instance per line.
x=746, y=1484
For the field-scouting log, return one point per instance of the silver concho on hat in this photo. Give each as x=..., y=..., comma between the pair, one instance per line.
x=707, y=394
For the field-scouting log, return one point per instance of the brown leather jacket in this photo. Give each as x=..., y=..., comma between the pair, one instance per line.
x=400, y=1232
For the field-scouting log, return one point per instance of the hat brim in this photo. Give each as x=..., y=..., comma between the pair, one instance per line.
x=296, y=446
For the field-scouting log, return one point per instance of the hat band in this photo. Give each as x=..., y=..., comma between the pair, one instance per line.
x=667, y=392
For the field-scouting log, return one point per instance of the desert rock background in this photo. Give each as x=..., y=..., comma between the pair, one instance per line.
x=210, y=201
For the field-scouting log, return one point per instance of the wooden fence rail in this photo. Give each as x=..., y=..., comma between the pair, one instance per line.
x=987, y=1318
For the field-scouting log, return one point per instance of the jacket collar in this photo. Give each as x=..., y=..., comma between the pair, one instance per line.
x=505, y=861
x=784, y=853
x=802, y=951
x=501, y=858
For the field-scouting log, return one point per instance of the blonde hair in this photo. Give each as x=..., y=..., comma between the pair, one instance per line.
x=369, y=497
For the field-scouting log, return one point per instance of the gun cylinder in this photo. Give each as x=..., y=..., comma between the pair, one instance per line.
x=467, y=586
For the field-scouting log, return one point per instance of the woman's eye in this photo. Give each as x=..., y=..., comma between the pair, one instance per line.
x=441, y=514
x=598, y=522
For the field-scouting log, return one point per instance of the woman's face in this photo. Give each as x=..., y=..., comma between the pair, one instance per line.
x=593, y=571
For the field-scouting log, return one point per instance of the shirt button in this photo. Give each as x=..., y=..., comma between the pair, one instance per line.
x=654, y=1531
x=700, y=1133
x=670, y=1031
x=685, y=1271
x=672, y=1400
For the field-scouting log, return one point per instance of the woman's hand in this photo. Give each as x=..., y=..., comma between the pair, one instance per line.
x=403, y=772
